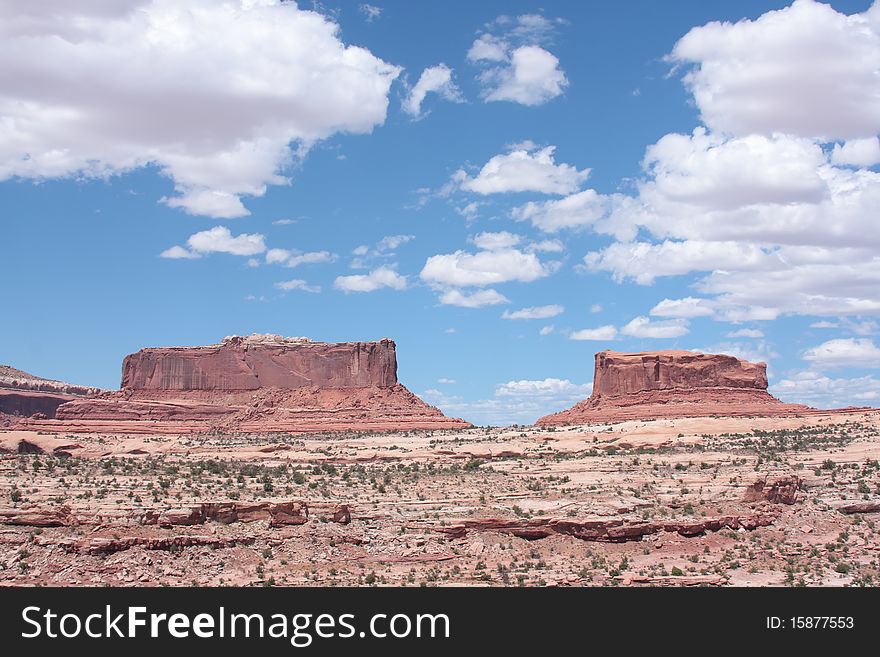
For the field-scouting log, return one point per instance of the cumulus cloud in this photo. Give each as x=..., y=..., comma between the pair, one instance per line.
x=488, y=48
x=477, y=299
x=844, y=352
x=742, y=207
x=434, y=79
x=218, y=240
x=607, y=332
x=532, y=77
x=495, y=241
x=807, y=70
x=685, y=308
x=643, y=327
x=756, y=352
x=574, y=211
x=514, y=402
x=290, y=258
x=178, y=253
x=212, y=95
x=534, y=312
x=382, y=277
x=645, y=261
x=462, y=269
x=524, y=169
x=297, y=284
x=516, y=67
x=857, y=152
x=820, y=391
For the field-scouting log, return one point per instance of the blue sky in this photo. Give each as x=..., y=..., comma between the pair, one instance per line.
x=502, y=188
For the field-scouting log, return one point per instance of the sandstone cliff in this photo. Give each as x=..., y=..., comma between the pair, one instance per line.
x=670, y=384
x=257, y=383
x=24, y=394
x=259, y=361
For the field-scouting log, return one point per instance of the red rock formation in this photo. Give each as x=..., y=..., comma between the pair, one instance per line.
x=604, y=530
x=24, y=394
x=672, y=384
x=263, y=362
x=259, y=383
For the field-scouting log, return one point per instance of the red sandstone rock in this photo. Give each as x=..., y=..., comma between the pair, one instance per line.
x=672, y=384
x=609, y=531
x=59, y=516
x=257, y=362
x=860, y=507
x=26, y=395
x=255, y=384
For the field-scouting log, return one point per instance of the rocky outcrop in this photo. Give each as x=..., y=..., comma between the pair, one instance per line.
x=25, y=395
x=255, y=384
x=604, y=530
x=784, y=490
x=672, y=384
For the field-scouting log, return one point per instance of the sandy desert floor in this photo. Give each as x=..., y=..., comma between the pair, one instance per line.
x=705, y=501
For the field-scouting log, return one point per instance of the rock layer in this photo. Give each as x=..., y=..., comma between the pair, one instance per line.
x=673, y=384
x=256, y=383
x=24, y=394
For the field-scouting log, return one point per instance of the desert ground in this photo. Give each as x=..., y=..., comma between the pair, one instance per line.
x=686, y=502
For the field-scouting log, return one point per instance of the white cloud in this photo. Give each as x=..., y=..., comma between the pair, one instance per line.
x=749, y=207
x=391, y=243
x=532, y=77
x=844, y=352
x=524, y=170
x=370, y=12
x=496, y=241
x=377, y=279
x=596, y=308
x=290, y=258
x=643, y=327
x=218, y=240
x=607, y=332
x=297, y=284
x=178, y=252
x=814, y=389
x=488, y=48
x=547, y=246
x=685, y=308
x=434, y=79
x=857, y=152
x=758, y=352
x=213, y=95
x=520, y=402
x=644, y=261
x=284, y=222
x=483, y=268
x=575, y=211
x=746, y=333
x=824, y=324
x=547, y=330
x=806, y=70
x=515, y=66
x=477, y=299
x=446, y=381
x=534, y=312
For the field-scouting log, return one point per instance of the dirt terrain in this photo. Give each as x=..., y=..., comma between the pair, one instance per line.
x=785, y=501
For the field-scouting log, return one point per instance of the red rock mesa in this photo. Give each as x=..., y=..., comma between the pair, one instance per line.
x=254, y=384
x=24, y=394
x=671, y=384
